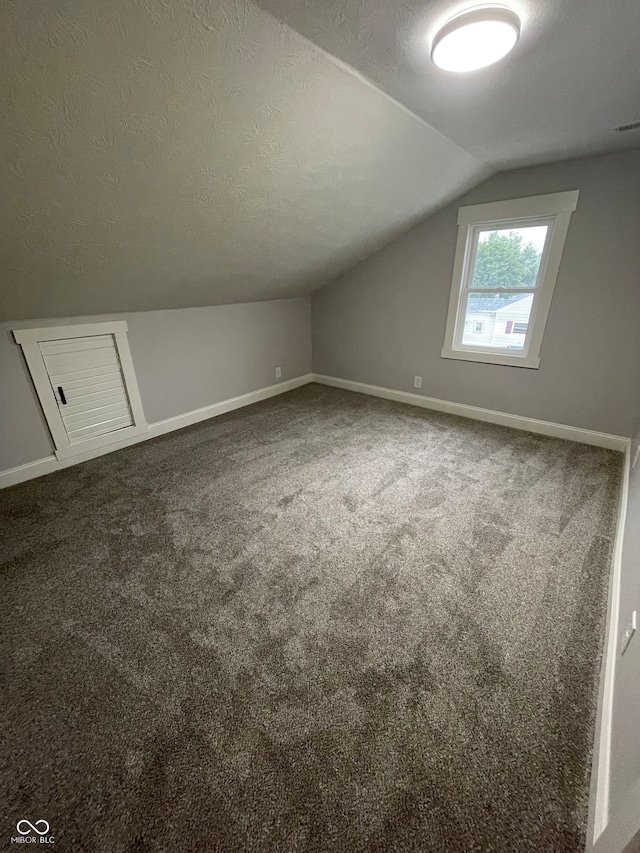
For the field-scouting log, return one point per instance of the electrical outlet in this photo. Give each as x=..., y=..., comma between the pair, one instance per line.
x=417, y=381
x=629, y=631
x=278, y=372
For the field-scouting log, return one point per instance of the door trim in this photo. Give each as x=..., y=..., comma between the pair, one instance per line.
x=30, y=339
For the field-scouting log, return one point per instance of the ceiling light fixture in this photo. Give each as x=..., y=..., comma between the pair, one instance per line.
x=476, y=38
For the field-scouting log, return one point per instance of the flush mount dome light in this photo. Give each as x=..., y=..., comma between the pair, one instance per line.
x=476, y=38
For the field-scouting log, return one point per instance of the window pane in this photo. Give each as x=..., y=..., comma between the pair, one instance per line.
x=497, y=320
x=509, y=257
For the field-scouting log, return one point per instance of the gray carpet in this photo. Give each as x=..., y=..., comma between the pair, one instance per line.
x=324, y=623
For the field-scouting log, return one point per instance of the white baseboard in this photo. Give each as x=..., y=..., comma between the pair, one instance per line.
x=197, y=415
x=30, y=470
x=623, y=828
x=601, y=834
x=584, y=436
x=48, y=464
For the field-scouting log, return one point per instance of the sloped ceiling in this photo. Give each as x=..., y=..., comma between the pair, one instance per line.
x=161, y=154
x=572, y=78
x=175, y=153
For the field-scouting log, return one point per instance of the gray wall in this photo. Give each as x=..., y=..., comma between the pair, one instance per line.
x=625, y=728
x=184, y=359
x=383, y=322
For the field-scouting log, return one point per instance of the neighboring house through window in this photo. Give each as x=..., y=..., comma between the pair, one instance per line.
x=505, y=269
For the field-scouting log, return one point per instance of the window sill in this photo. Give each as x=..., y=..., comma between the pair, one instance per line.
x=492, y=358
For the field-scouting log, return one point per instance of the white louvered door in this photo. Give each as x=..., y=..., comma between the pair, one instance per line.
x=86, y=384
x=87, y=381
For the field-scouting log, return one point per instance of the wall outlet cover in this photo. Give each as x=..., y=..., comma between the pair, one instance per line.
x=278, y=372
x=417, y=381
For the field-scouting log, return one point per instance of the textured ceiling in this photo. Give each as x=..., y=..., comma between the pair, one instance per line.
x=574, y=75
x=172, y=153
x=164, y=153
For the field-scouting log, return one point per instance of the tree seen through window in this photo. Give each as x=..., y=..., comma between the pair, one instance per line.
x=505, y=259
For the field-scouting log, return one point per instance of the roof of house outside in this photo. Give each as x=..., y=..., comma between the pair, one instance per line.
x=483, y=303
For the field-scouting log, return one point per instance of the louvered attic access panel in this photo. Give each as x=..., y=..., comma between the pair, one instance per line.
x=86, y=384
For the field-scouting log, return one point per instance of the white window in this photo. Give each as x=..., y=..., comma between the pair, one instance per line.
x=507, y=260
x=86, y=384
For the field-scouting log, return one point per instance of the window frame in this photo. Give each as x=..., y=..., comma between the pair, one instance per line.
x=553, y=210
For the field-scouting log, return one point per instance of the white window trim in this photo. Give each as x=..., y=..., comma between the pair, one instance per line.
x=29, y=340
x=554, y=209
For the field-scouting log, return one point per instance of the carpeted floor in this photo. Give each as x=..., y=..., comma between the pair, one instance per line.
x=325, y=623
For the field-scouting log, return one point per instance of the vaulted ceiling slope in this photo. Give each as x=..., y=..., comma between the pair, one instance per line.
x=158, y=154
x=573, y=77
x=163, y=154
